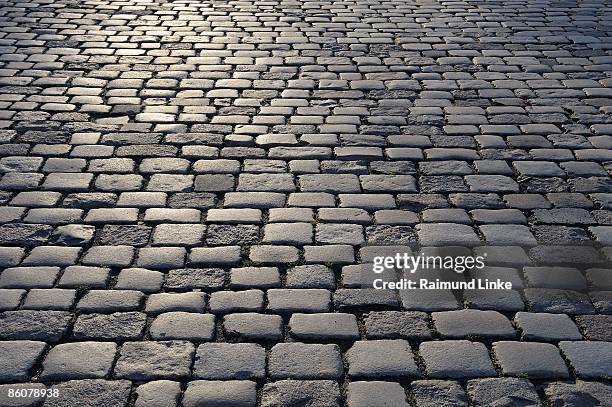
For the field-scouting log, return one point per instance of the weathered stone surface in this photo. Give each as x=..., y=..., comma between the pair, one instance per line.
x=503, y=392
x=17, y=358
x=532, y=360
x=579, y=394
x=121, y=326
x=240, y=361
x=305, y=361
x=158, y=393
x=376, y=394
x=444, y=393
x=66, y=361
x=153, y=360
x=239, y=393
x=175, y=175
x=91, y=393
x=456, y=359
x=586, y=358
x=380, y=358
x=315, y=393
x=34, y=325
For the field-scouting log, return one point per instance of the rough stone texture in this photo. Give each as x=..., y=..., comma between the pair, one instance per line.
x=151, y=360
x=532, y=360
x=376, y=394
x=473, y=323
x=120, y=326
x=34, y=325
x=227, y=173
x=443, y=393
x=239, y=393
x=253, y=326
x=230, y=361
x=305, y=361
x=503, y=392
x=546, y=327
x=91, y=393
x=183, y=325
x=596, y=327
x=17, y=358
x=80, y=360
x=578, y=394
x=586, y=358
x=380, y=358
x=159, y=393
x=315, y=393
x=456, y=359
x=397, y=324
x=324, y=327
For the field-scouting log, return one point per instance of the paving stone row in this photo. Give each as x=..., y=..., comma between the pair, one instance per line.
x=193, y=194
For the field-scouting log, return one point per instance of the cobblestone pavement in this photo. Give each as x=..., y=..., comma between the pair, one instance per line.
x=192, y=191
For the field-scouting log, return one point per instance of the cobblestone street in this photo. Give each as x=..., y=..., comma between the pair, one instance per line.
x=193, y=192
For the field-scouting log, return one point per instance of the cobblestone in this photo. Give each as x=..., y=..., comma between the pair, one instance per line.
x=66, y=361
x=229, y=361
x=445, y=393
x=546, y=327
x=239, y=393
x=581, y=392
x=201, y=175
x=532, y=360
x=18, y=357
x=375, y=394
x=381, y=358
x=154, y=360
x=160, y=393
x=112, y=393
x=305, y=361
x=502, y=391
x=317, y=393
x=585, y=358
x=456, y=359
x=472, y=323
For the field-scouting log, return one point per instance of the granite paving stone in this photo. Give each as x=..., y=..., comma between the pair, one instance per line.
x=579, y=393
x=381, y=358
x=595, y=327
x=239, y=393
x=240, y=361
x=18, y=357
x=195, y=194
x=91, y=392
x=158, y=393
x=505, y=391
x=120, y=326
x=445, y=393
x=375, y=394
x=182, y=325
x=472, y=323
x=586, y=358
x=456, y=359
x=305, y=361
x=546, y=327
x=154, y=360
x=324, y=327
x=66, y=361
x=312, y=392
x=530, y=359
